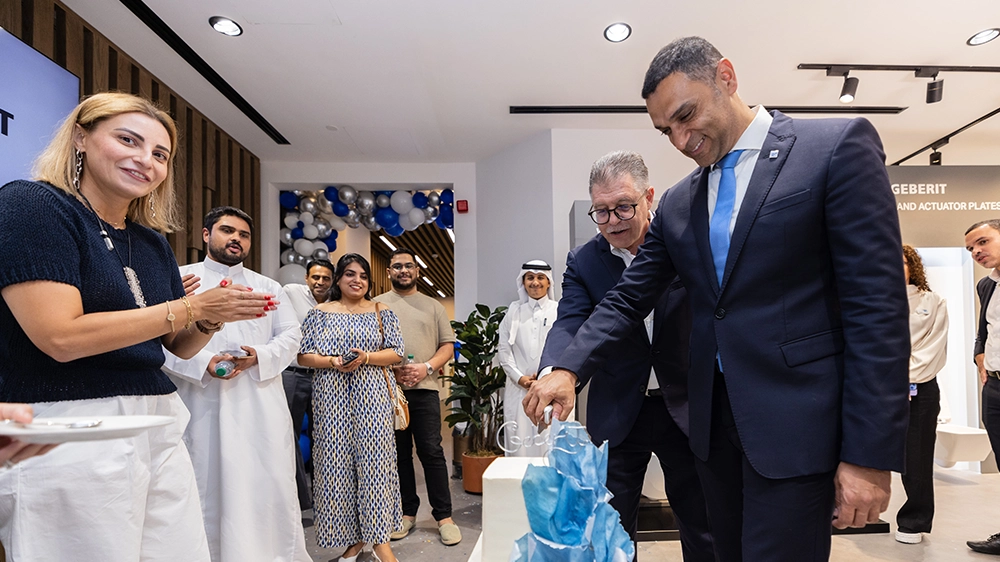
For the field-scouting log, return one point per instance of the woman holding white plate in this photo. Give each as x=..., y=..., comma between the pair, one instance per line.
x=90, y=292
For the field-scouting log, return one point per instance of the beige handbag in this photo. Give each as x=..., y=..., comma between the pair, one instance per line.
x=400, y=406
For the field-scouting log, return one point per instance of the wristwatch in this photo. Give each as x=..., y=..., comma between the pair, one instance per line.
x=430, y=370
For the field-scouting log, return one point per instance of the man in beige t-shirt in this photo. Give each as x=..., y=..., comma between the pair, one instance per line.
x=428, y=337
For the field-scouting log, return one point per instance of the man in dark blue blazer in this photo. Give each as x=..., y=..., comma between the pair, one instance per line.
x=787, y=241
x=636, y=412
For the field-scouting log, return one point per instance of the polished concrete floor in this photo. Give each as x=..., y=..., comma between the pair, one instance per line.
x=968, y=508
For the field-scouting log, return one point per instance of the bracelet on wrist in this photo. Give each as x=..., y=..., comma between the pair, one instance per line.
x=170, y=318
x=206, y=327
x=190, y=311
x=332, y=366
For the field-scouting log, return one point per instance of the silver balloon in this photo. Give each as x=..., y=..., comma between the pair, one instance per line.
x=353, y=219
x=370, y=223
x=307, y=205
x=299, y=193
x=365, y=202
x=433, y=199
x=322, y=227
x=300, y=260
x=431, y=213
x=288, y=256
x=320, y=255
x=382, y=201
x=324, y=205
x=285, y=235
x=347, y=194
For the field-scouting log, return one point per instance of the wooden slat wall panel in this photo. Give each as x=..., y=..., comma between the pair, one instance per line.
x=210, y=167
x=10, y=16
x=426, y=240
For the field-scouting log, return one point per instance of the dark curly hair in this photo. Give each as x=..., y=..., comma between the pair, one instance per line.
x=918, y=277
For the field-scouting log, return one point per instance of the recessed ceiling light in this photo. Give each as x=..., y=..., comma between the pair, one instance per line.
x=225, y=26
x=617, y=32
x=333, y=128
x=984, y=36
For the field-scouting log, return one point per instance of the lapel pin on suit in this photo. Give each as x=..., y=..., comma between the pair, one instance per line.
x=773, y=155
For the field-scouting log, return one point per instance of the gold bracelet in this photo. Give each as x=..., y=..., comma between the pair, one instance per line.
x=190, y=320
x=331, y=363
x=171, y=318
x=206, y=327
x=366, y=357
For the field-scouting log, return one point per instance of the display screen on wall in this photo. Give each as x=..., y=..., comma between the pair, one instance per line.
x=36, y=94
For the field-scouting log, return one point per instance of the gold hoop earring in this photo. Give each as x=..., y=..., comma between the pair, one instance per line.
x=152, y=209
x=78, y=169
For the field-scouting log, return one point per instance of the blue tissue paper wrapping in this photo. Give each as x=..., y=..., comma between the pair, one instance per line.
x=567, y=505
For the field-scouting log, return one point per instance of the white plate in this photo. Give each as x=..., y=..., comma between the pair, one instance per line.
x=55, y=430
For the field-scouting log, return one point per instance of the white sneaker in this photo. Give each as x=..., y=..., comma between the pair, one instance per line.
x=909, y=538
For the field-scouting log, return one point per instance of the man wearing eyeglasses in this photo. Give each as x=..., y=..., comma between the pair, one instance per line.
x=638, y=400
x=429, y=339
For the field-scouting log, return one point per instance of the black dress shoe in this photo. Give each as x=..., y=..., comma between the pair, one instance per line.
x=988, y=546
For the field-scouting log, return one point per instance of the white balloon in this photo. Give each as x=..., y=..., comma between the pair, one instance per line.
x=292, y=220
x=336, y=222
x=319, y=245
x=306, y=218
x=303, y=246
x=417, y=216
x=401, y=201
x=292, y=273
x=310, y=231
x=404, y=221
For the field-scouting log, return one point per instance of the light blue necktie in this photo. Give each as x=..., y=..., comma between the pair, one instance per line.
x=718, y=229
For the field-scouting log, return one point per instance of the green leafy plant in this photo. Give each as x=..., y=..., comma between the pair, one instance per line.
x=476, y=381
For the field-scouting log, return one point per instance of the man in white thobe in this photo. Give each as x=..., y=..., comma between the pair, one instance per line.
x=240, y=433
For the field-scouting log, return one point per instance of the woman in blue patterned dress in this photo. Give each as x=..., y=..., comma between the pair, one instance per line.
x=356, y=484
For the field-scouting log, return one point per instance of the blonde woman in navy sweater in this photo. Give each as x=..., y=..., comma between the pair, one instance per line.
x=90, y=290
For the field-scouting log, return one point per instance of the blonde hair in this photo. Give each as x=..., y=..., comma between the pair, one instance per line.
x=56, y=164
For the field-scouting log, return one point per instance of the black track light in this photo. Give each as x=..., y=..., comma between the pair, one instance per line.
x=935, y=89
x=849, y=90
x=935, y=158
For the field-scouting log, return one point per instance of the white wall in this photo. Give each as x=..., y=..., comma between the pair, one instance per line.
x=278, y=176
x=515, y=220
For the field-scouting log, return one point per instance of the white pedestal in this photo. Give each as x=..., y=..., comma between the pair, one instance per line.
x=505, y=518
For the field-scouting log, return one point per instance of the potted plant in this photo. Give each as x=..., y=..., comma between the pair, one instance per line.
x=474, y=397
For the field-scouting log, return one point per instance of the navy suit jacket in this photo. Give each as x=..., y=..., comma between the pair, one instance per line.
x=618, y=387
x=811, y=318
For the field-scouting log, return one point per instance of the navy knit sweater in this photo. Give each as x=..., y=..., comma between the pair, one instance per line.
x=46, y=234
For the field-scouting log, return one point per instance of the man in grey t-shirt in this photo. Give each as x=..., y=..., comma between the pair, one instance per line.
x=428, y=337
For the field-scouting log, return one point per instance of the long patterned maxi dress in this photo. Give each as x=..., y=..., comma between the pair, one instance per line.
x=355, y=480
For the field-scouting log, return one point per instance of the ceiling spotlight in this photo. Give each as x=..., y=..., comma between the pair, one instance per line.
x=617, y=32
x=225, y=26
x=984, y=36
x=935, y=158
x=849, y=90
x=935, y=89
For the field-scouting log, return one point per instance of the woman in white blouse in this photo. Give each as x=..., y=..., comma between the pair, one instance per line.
x=522, y=337
x=928, y=351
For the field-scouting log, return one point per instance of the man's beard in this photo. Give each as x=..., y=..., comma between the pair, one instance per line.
x=322, y=297
x=222, y=256
x=399, y=286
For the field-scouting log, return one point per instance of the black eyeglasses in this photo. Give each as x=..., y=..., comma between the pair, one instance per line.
x=623, y=212
x=402, y=266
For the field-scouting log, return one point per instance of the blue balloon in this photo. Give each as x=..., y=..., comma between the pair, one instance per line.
x=331, y=194
x=297, y=233
x=446, y=218
x=288, y=200
x=386, y=193
x=447, y=196
x=420, y=200
x=331, y=243
x=340, y=208
x=387, y=217
x=300, y=225
x=333, y=235
x=394, y=230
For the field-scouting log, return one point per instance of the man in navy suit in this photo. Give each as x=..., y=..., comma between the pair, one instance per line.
x=787, y=241
x=637, y=402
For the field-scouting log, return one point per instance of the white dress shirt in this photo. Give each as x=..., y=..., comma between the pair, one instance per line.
x=991, y=356
x=627, y=257
x=750, y=142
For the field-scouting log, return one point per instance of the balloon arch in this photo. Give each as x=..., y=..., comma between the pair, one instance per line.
x=312, y=219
